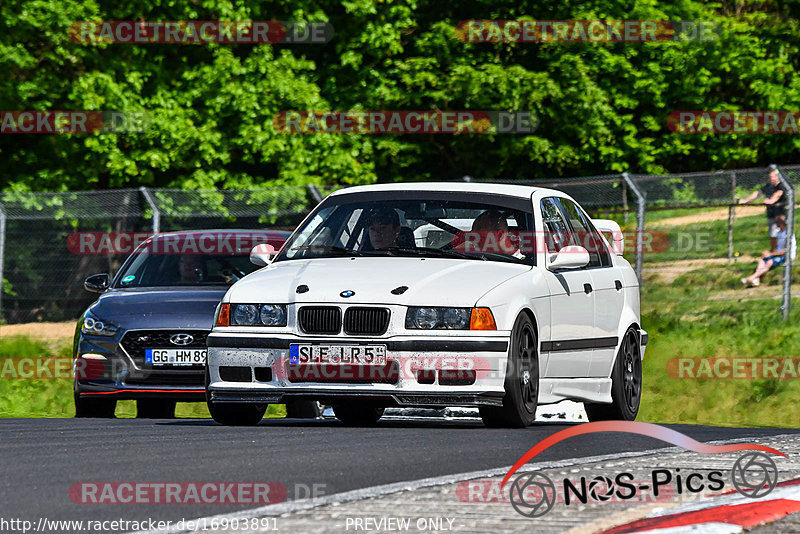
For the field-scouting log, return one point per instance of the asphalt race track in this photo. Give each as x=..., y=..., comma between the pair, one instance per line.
x=41, y=458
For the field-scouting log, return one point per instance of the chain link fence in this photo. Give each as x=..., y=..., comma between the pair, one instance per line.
x=44, y=278
x=686, y=231
x=675, y=225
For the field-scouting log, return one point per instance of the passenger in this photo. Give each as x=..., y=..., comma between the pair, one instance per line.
x=493, y=235
x=490, y=221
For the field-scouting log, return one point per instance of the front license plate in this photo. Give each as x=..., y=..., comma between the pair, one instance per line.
x=178, y=357
x=338, y=354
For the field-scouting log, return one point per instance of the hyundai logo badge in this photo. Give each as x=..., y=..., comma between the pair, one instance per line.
x=347, y=293
x=181, y=339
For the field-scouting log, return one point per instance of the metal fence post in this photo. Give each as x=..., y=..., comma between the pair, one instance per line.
x=625, y=202
x=787, y=265
x=639, y=223
x=2, y=249
x=730, y=234
x=315, y=194
x=156, y=214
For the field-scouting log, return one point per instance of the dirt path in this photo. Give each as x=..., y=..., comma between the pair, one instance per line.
x=754, y=293
x=54, y=335
x=707, y=216
x=668, y=271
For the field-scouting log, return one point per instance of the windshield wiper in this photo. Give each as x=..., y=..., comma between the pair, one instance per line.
x=429, y=251
x=329, y=248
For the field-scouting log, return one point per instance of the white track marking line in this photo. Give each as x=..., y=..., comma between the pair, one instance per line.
x=385, y=489
x=700, y=528
x=790, y=493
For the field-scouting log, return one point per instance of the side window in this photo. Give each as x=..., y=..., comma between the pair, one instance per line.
x=586, y=235
x=602, y=249
x=315, y=233
x=555, y=228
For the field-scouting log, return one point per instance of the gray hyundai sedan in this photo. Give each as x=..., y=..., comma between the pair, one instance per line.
x=145, y=336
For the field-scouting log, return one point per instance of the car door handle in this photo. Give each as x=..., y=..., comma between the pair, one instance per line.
x=618, y=284
x=587, y=288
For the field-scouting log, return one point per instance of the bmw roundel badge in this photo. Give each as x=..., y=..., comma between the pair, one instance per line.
x=347, y=293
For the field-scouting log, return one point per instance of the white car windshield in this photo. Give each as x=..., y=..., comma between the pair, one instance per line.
x=447, y=225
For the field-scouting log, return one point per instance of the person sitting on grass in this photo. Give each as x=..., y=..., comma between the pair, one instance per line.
x=772, y=259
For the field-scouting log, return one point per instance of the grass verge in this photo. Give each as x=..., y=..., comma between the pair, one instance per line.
x=52, y=397
x=701, y=312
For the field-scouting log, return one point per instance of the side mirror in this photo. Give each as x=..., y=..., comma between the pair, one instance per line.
x=97, y=283
x=570, y=257
x=617, y=237
x=262, y=254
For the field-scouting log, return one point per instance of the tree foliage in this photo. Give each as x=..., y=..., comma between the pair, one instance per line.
x=601, y=108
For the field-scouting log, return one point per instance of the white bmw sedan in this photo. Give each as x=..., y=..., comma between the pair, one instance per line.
x=502, y=297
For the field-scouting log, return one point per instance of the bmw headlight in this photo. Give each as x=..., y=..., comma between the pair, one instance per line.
x=273, y=315
x=258, y=315
x=95, y=326
x=244, y=314
x=435, y=318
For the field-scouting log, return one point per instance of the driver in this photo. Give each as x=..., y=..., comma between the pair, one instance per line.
x=191, y=269
x=383, y=228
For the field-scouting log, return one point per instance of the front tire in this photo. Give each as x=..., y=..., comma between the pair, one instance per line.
x=234, y=414
x=353, y=414
x=626, y=384
x=522, y=380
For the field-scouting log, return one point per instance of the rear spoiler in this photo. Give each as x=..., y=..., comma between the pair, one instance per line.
x=610, y=227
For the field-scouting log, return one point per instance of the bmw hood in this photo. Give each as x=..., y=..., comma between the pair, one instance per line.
x=159, y=307
x=429, y=281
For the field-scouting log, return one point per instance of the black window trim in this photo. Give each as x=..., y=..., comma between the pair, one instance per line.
x=591, y=227
x=519, y=203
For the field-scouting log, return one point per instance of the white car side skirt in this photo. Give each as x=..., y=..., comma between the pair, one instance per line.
x=553, y=390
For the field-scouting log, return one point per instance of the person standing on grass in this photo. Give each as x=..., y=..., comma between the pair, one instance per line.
x=771, y=259
x=776, y=204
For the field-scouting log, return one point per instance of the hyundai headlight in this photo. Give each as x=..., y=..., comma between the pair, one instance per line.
x=258, y=315
x=435, y=318
x=95, y=326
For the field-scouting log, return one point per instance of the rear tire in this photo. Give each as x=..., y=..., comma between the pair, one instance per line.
x=626, y=384
x=362, y=414
x=234, y=414
x=521, y=383
x=94, y=408
x=155, y=409
x=303, y=409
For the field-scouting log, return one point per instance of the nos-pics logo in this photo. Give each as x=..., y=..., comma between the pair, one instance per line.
x=754, y=474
